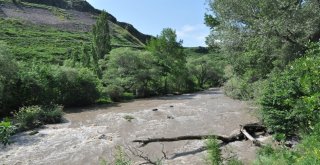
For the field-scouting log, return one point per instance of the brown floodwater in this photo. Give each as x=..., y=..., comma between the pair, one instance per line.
x=90, y=135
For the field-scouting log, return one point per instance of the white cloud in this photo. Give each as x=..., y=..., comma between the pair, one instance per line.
x=193, y=35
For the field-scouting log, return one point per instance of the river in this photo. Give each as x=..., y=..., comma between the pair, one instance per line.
x=92, y=134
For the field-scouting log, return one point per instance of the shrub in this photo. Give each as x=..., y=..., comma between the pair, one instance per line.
x=76, y=87
x=28, y=117
x=291, y=98
x=34, y=116
x=238, y=88
x=306, y=153
x=271, y=156
x=6, y=130
x=115, y=92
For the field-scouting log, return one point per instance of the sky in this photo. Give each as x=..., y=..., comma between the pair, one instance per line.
x=152, y=16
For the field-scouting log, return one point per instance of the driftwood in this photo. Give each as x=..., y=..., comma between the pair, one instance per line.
x=245, y=132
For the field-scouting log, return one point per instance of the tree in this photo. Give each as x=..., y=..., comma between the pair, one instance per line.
x=131, y=70
x=8, y=77
x=203, y=69
x=169, y=55
x=101, y=36
x=258, y=36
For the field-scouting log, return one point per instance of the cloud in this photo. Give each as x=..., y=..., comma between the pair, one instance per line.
x=193, y=34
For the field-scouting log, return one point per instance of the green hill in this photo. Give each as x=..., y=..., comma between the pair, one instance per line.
x=48, y=30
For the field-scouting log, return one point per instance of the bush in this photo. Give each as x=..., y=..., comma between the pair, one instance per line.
x=115, y=92
x=35, y=116
x=271, y=156
x=6, y=130
x=291, y=99
x=238, y=88
x=306, y=153
x=28, y=118
x=76, y=87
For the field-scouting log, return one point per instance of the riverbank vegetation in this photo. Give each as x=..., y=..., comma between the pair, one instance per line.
x=43, y=66
x=272, y=48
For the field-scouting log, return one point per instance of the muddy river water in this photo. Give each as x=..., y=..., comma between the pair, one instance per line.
x=90, y=135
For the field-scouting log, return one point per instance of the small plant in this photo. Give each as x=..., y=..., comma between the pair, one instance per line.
x=128, y=118
x=234, y=161
x=6, y=130
x=214, y=153
x=121, y=158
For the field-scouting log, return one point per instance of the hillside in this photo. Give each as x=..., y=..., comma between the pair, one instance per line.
x=49, y=29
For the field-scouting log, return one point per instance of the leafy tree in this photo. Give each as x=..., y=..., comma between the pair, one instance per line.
x=86, y=56
x=132, y=70
x=204, y=70
x=8, y=77
x=169, y=55
x=101, y=36
x=291, y=98
x=258, y=36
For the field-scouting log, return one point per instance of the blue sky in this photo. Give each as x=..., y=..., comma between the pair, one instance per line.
x=151, y=16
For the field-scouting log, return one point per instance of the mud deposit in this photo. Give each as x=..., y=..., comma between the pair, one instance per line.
x=90, y=135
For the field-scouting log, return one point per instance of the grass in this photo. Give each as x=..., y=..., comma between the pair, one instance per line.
x=29, y=42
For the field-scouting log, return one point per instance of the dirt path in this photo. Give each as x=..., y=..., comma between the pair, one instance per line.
x=92, y=134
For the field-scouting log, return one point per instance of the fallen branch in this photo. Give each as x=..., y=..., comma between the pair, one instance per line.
x=195, y=137
x=245, y=131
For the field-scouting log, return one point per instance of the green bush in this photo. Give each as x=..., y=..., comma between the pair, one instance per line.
x=6, y=130
x=77, y=87
x=28, y=118
x=275, y=156
x=306, y=153
x=238, y=88
x=35, y=116
x=115, y=92
x=291, y=99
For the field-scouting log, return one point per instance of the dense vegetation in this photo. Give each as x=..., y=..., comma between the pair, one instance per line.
x=272, y=49
x=42, y=66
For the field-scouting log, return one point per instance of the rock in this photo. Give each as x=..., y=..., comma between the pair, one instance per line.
x=33, y=132
x=171, y=106
x=170, y=117
x=103, y=136
x=155, y=109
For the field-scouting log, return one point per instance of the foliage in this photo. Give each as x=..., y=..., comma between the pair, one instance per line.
x=170, y=58
x=214, y=153
x=254, y=41
x=307, y=152
x=6, y=130
x=132, y=70
x=234, y=161
x=8, y=76
x=35, y=116
x=204, y=70
x=291, y=99
x=120, y=158
x=101, y=35
x=275, y=156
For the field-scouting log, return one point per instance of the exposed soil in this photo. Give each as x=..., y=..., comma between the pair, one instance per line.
x=90, y=135
x=69, y=20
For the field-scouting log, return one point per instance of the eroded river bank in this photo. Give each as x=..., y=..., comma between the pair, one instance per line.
x=90, y=135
